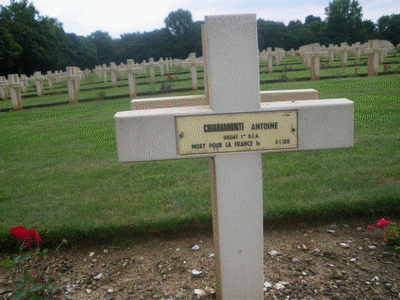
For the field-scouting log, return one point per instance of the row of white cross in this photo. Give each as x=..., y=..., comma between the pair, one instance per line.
x=376, y=50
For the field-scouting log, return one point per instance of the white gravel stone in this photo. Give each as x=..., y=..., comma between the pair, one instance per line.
x=98, y=277
x=279, y=286
x=267, y=285
x=196, y=273
x=200, y=292
x=273, y=253
x=195, y=248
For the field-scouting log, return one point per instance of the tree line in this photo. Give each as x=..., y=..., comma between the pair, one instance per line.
x=31, y=42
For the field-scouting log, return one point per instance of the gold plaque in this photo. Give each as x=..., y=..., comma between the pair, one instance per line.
x=221, y=133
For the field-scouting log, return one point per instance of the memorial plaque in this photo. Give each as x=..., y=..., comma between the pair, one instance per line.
x=220, y=133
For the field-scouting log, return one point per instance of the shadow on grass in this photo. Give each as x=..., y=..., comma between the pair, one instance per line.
x=384, y=203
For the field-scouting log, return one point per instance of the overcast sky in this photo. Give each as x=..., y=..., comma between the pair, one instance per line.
x=83, y=17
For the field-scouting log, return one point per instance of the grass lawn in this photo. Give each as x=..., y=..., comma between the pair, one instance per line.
x=59, y=170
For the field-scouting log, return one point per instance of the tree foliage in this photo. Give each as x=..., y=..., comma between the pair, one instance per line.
x=178, y=22
x=30, y=42
x=389, y=28
x=344, y=21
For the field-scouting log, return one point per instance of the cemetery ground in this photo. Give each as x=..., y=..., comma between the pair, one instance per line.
x=59, y=173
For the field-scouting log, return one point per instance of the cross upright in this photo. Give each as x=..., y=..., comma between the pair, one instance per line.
x=315, y=53
x=113, y=70
x=373, y=52
x=152, y=64
x=105, y=70
x=15, y=86
x=3, y=88
x=39, y=78
x=131, y=69
x=72, y=80
x=192, y=64
x=267, y=55
x=344, y=49
x=161, y=64
x=234, y=131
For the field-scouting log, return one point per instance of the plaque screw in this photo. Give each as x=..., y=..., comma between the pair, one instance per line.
x=181, y=135
x=293, y=129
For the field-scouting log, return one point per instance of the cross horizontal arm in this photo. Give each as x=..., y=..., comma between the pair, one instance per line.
x=146, y=135
x=197, y=100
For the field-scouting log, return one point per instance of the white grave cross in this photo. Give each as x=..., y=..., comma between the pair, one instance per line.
x=235, y=118
x=15, y=85
x=39, y=78
x=72, y=80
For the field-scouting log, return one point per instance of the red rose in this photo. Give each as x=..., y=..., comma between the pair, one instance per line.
x=34, y=235
x=20, y=233
x=26, y=236
x=383, y=223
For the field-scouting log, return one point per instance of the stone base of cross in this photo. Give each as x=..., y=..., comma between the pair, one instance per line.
x=234, y=131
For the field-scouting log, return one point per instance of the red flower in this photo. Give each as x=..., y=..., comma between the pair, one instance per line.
x=34, y=235
x=20, y=233
x=356, y=69
x=26, y=236
x=383, y=223
x=371, y=227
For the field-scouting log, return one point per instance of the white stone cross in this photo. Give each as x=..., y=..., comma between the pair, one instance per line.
x=267, y=55
x=315, y=53
x=161, y=64
x=279, y=54
x=3, y=88
x=105, y=70
x=356, y=49
x=98, y=71
x=73, y=86
x=331, y=52
x=15, y=85
x=38, y=79
x=192, y=64
x=113, y=70
x=50, y=77
x=234, y=131
x=373, y=52
x=24, y=80
x=131, y=69
x=344, y=49
x=152, y=64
